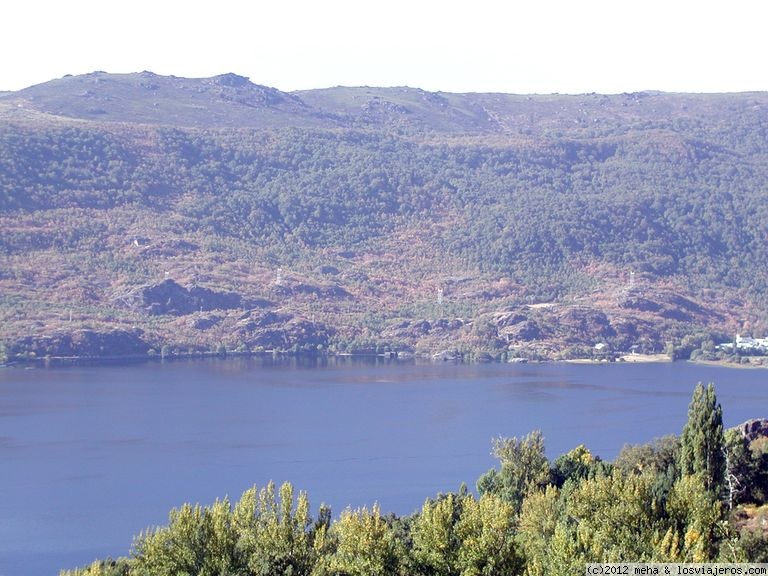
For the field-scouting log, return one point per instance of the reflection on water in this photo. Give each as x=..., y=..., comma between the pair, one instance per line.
x=93, y=455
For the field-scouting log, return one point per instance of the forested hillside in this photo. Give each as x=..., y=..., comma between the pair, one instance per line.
x=146, y=214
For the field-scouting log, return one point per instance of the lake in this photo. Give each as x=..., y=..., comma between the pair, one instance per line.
x=92, y=455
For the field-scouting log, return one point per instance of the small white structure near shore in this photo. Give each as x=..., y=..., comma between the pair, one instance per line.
x=746, y=343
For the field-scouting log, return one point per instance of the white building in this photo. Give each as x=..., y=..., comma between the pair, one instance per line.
x=747, y=343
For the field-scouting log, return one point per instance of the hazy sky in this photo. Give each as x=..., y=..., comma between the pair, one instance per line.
x=515, y=46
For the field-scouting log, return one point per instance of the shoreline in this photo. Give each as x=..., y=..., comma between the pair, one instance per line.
x=724, y=364
x=133, y=359
x=624, y=358
x=402, y=356
x=645, y=358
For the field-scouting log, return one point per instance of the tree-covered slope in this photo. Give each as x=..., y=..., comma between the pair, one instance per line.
x=367, y=218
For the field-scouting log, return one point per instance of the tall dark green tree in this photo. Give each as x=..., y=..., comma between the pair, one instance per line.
x=702, y=442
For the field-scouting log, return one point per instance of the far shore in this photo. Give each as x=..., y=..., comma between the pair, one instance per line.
x=118, y=359
x=747, y=366
x=644, y=358
x=659, y=358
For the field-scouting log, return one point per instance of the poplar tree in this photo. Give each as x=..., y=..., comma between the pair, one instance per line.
x=702, y=442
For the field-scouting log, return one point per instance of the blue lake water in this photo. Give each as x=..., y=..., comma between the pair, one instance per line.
x=90, y=456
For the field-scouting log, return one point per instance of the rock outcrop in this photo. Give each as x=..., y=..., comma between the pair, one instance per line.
x=754, y=429
x=523, y=331
x=170, y=298
x=296, y=334
x=80, y=344
x=582, y=324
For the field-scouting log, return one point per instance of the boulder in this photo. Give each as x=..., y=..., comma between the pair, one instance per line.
x=445, y=324
x=510, y=318
x=525, y=331
x=206, y=322
x=293, y=334
x=256, y=319
x=754, y=429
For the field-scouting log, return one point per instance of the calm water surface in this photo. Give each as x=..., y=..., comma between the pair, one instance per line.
x=90, y=456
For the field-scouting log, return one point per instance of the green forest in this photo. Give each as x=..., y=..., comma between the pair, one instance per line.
x=701, y=496
x=663, y=207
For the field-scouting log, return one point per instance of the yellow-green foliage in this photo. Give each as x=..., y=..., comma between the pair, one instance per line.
x=364, y=546
x=539, y=520
x=261, y=535
x=121, y=567
x=486, y=531
x=435, y=542
x=697, y=516
x=460, y=534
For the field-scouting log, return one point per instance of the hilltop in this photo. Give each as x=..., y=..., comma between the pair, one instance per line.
x=149, y=214
x=233, y=101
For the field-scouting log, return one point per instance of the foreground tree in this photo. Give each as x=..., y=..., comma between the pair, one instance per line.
x=540, y=519
x=120, y=567
x=702, y=442
x=260, y=536
x=607, y=518
x=460, y=535
x=660, y=458
x=486, y=531
x=278, y=538
x=697, y=522
x=435, y=541
x=524, y=468
x=361, y=544
x=577, y=465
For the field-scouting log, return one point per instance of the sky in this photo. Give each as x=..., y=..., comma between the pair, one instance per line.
x=512, y=46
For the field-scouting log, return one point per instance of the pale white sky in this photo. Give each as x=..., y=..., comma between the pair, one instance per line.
x=514, y=46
